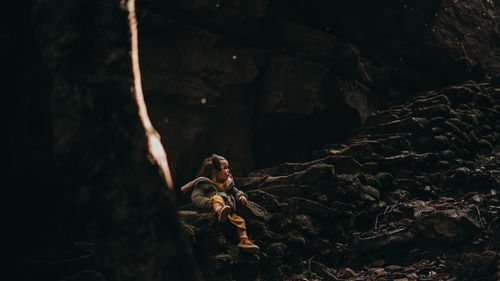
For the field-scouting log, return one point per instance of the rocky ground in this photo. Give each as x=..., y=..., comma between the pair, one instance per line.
x=414, y=196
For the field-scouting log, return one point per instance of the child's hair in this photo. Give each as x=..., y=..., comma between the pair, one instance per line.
x=210, y=163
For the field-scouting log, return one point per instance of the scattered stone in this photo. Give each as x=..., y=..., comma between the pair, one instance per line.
x=448, y=226
x=392, y=268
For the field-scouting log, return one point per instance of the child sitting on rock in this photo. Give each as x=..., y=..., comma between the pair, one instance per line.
x=214, y=190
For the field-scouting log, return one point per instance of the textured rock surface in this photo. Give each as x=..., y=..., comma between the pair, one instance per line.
x=301, y=66
x=420, y=200
x=88, y=205
x=413, y=195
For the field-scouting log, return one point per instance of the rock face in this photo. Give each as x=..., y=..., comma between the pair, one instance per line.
x=420, y=45
x=221, y=77
x=413, y=195
x=101, y=211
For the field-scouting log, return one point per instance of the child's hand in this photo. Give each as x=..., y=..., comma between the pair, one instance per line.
x=243, y=200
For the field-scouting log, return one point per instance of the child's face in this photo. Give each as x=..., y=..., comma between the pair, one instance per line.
x=224, y=173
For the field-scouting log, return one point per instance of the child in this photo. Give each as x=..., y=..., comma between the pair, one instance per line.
x=214, y=190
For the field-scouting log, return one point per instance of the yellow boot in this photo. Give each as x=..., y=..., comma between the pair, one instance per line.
x=245, y=244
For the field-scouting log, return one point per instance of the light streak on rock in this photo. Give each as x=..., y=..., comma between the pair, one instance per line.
x=156, y=150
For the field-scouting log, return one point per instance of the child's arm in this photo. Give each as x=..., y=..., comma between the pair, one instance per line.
x=238, y=194
x=199, y=197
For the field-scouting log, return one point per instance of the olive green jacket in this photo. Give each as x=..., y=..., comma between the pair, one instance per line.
x=204, y=189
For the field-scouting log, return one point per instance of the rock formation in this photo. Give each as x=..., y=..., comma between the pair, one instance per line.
x=86, y=202
x=413, y=195
x=301, y=66
x=368, y=132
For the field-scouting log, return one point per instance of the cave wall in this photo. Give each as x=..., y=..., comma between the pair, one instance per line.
x=277, y=78
x=212, y=93
x=84, y=201
x=420, y=45
x=260, y=81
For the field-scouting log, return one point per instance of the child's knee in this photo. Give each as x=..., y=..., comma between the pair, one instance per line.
x=217, y=199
